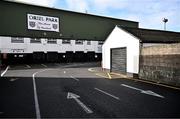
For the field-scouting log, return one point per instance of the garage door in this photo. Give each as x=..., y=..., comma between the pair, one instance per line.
x=118, y=60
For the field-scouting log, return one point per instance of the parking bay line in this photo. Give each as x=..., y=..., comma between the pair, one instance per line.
x=13, y=79
x=5, y=71
x=44, y=65
x=115, y=97
x=28, y=66
x=74, y=78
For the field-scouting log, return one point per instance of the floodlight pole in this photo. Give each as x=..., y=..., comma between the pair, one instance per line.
x=165, y=21
x=164, y=25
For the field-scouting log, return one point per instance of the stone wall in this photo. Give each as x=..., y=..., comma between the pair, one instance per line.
x=161, y=64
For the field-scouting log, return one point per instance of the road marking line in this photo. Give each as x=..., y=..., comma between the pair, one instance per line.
x=74, y=78
x=64, y=72
x=91, y=69
x=101, y=75
x=28, y=66
x=109, y=76
x=44, y=65
x=5, y=71
x=86, y=109
x=14, y=79
x=149, y=82
x=117, y=98
x=148, y=92
x=75, y=97
x=38, y=115
x=131, y=87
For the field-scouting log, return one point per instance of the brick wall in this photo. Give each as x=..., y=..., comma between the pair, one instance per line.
x=161, y=64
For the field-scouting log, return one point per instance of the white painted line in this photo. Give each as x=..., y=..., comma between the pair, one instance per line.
x=28, y=66
x=44, y=65
x=86, y=109
x=91, y=69
x=38, y=115
x=75, y=97
x=147, y=92
x=131, y=87
x=5, y=71
x=13, y=79
x=74, y=78
x=117, y=98
x=64, y=72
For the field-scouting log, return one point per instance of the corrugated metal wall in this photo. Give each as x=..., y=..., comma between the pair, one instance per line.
x=118, y=60
x=13, y=22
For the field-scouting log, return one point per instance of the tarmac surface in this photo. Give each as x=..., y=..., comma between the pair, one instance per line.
x=81, y=90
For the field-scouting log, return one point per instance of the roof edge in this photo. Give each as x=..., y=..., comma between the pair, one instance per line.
x=53, y=8
x=129, y=32
x=136, y=32
x=121, y=26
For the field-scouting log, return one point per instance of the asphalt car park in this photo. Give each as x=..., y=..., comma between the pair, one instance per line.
x=81, y=90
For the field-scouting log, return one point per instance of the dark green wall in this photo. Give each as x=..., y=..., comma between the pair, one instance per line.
x=13, y=22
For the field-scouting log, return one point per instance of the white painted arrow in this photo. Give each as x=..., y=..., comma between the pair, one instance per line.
x=75, y=97
x=148, y=92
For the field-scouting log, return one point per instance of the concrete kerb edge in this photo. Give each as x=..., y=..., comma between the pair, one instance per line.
x=135, y=79
x=151, y=82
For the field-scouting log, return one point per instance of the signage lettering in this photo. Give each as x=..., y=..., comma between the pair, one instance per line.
x=45, y=23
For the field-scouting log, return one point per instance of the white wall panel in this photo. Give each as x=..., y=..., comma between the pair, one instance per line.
x=120, y=38
x=7, y=47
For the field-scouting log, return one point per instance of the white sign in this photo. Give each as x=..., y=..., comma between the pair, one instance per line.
x=45, y=23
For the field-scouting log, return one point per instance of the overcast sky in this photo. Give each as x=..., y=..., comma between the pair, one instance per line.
x=149, y=13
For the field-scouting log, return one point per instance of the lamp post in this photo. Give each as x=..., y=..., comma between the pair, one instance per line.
x=165, y=21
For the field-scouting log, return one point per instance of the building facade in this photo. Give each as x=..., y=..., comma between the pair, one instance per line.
x=43, y=33
x=122, y=50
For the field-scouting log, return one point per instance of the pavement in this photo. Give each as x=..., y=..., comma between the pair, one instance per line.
x=81, y=90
